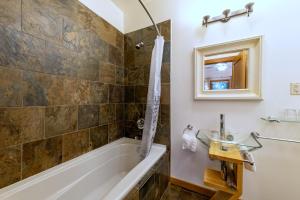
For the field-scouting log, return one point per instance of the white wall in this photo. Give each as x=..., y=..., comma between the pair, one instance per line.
x=108, y=11
x=278, y=164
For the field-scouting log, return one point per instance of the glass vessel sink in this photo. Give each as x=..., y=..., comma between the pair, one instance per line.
x=243, y=141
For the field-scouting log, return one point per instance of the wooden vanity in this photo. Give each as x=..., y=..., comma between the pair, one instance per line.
x=212, y=178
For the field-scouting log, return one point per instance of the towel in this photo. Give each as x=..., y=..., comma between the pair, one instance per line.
x=251, y=164
x=189, y=141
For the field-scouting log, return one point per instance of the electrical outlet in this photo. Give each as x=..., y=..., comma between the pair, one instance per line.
x=295, y=88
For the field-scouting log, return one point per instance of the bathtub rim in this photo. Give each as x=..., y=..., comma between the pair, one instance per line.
x=9, y=190
x=143, y=167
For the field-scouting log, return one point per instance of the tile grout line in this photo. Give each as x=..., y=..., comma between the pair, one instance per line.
x=21, y=162
x=90, y=142
x=77, y=125
x=21, y=16
x=62, y=148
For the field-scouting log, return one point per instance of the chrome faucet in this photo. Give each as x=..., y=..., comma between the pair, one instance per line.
x=222, y=131
x=222, y=127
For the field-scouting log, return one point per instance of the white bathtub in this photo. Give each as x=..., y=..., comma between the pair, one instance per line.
x=108, y=173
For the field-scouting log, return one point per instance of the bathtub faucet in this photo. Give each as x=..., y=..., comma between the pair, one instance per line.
x=139, y=136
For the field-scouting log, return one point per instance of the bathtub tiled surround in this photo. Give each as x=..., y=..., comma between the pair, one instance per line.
x=137, y=68
x=70, y=83
x=154, y=183
x=100, y=174
x=175, y=192
x=61, y=85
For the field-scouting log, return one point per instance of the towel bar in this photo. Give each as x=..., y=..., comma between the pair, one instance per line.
x=257, y=135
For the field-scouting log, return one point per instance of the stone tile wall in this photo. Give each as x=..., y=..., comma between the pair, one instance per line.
x=70, y=83
x=61, y=85
x=154, y=183
x=137, y=68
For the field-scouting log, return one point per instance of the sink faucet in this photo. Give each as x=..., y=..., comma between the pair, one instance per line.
x=222, y=127
x=222, y=130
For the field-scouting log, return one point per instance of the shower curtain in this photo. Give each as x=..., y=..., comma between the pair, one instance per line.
x=153, y=98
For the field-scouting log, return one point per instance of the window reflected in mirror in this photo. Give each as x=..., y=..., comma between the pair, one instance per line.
x=226, y=70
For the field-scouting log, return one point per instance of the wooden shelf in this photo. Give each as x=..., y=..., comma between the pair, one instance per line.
x=212, y=178
x=232, y=155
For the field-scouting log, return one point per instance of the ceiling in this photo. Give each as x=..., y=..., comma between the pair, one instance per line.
x=126, y=5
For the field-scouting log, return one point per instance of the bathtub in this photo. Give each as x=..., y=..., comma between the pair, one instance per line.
x=107, y=173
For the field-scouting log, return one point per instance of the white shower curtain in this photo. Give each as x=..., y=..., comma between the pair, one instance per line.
x=153, y=98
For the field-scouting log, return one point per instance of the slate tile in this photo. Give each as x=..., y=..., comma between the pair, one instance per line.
x=149, y=35
x=60, y=120
x=41, y=155
x=89, y=20
x=11, y=87
x=165, y=94
x=147, y=74
x=10, y=165
x=87, y=67
x=129, y=94
x=134, y=111
x=99, y=136
x=129, y=51
x=107, y=73
x=99, y=93
x=107, y=32
x=42, y=90
x=143, y=56
x=72, y=96
x=147, y=191
x=84, y=91
x=20, y=125
x=119, y=40
x=39, y=20
x=60, y=61
x=165, y=73
x=71, y=34
x=163, y=174
x=107, y=113
x=116, y=94
x=165, y=29
x=120, y=75
x=141, y=94
x=116, y=56
x=115, y=131
x=136, y=76
x=167, y=52
x=120, y=112
x=20, y=50
x=10, y=13
x=75, y=144
x=88, y=116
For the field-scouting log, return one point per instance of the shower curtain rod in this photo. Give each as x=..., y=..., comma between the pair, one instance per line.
x=157, y=30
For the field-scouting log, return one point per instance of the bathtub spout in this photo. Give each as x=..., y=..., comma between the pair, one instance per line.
x=138, y=137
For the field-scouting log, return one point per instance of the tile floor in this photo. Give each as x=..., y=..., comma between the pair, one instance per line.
x=177, y=193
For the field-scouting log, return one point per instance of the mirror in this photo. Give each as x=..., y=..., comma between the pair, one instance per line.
x=226, y=70
x=229, y=71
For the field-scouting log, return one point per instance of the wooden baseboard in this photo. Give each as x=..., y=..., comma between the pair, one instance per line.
x=192, y=187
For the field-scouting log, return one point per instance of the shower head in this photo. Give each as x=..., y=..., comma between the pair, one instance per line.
x=139, y=45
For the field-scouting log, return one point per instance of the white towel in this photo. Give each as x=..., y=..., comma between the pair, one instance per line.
x=249, y=157
x=189, y=141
